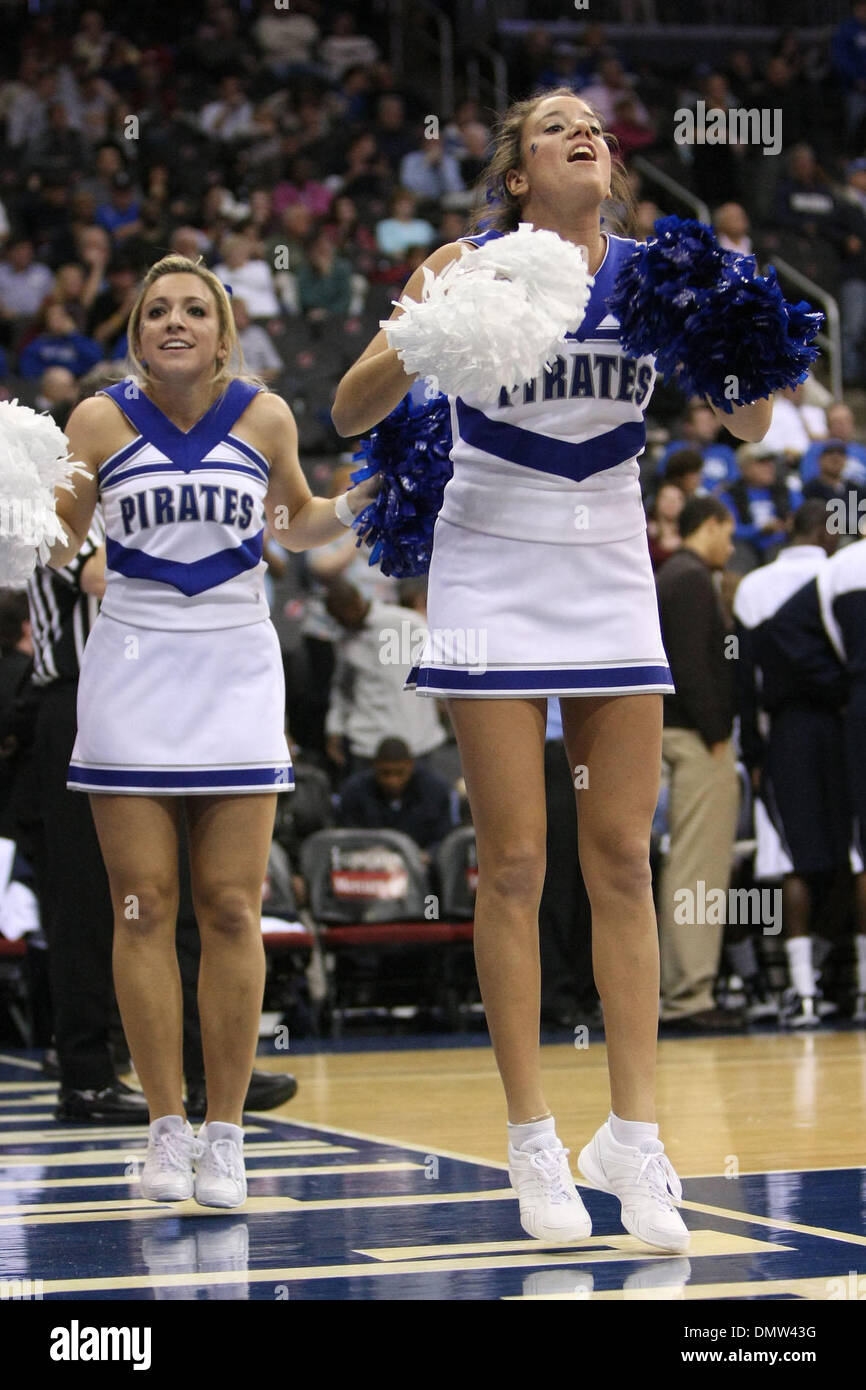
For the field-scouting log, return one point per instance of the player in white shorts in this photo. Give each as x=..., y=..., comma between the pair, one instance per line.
x=540, y=550
x=181, y=702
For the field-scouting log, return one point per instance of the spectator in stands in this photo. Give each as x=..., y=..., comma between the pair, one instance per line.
x=853, y=290
x=188, y=241
x=230, y=118
x=393, y=134
x=806, y=208
x=345, y=47
x=92, y=41
x=684, y=468
x=351, y=237
x=700, y=430
x=324, y=281
x=697, y=747
x=718, y=168
x=663, y=529
x=249, y=276
x=24, y=281
x=379, y=645
x=58, y=393
x=829, y=486
x=840, y=425
x=563, y=70
x=287, y=38
x=61, y=148
x=59, y=345
x=109, y=162
x=121, y=216
x=430, y=172
x=257, y=345
x=782, y=90
x=402, y=230
x=304, y=185
x=848, y=49
x=731, y=223
x=634, y=131
x=109, y=312
x=795, y=424
x=613, y=83
x=533, y=55
x=367, y=177
x=396, y=794
x=760, y=505
x=646, y=215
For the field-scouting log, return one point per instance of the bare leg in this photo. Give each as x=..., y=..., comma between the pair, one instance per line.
x=501, y=746
x=229, y=841
x=796, y=905
x=138, y=837
x=618, y=740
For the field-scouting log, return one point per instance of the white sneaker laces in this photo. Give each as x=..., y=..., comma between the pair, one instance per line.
x=661, y=1178
x=176, y=1150
x=226, y=1157
x=551, y=1164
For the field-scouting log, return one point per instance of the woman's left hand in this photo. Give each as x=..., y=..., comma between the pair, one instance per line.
x=359, y=497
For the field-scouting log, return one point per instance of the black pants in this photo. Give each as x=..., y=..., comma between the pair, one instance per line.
x=77, y=917
x=565, y=922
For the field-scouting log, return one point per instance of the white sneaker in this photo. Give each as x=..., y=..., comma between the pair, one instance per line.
x=550, y=1207
x=167, y=1175
x=220, y=1179
x=644, y=1180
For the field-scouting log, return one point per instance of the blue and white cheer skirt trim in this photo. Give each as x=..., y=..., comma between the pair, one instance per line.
x=185, y=713
x=513, y=618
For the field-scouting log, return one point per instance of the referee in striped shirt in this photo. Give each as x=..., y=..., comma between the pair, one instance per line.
x=71, y=880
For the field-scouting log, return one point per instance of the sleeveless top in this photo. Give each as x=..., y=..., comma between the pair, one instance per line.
x=555, y=458
x=184, y=517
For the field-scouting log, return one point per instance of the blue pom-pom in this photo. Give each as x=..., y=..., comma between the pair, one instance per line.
x=723, y=331
x=411, y=448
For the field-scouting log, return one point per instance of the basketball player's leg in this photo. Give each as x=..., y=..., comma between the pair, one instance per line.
x=229, y=843
x=138, y=837
x=501, y=746
x=618, y=741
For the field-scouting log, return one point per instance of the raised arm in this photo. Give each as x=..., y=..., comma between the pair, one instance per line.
x=297, y=519
x=89, y=431
x=377, y=383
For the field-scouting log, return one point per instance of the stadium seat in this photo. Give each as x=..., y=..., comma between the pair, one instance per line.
x=377, y=922
x=457, y=863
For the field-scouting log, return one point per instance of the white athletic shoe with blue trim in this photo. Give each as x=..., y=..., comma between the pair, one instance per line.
x=646, y=1184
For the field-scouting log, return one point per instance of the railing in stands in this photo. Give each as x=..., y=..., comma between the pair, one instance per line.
x=493, y=90
x=830, y=340
x=670, y=185
x=444, y=45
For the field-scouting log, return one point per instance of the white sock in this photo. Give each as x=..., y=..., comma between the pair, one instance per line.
x=860, y=944
x=219, y=1129
x=632, y=1132
x=166, y=1123
x=798, y=949
x=521, y=1135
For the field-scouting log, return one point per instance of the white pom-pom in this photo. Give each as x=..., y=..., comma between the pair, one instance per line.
x=494, y=317
x=34, y=460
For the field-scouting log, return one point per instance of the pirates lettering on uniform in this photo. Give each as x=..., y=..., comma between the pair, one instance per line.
x=584, y=376
x=163, y=506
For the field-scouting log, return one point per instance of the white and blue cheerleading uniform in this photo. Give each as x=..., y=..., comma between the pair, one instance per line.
x=181, y=691
x=540, y=581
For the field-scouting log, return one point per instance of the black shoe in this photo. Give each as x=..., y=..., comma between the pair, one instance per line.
x=113, y=1105
x=267, y=1090
x=707, y=1021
